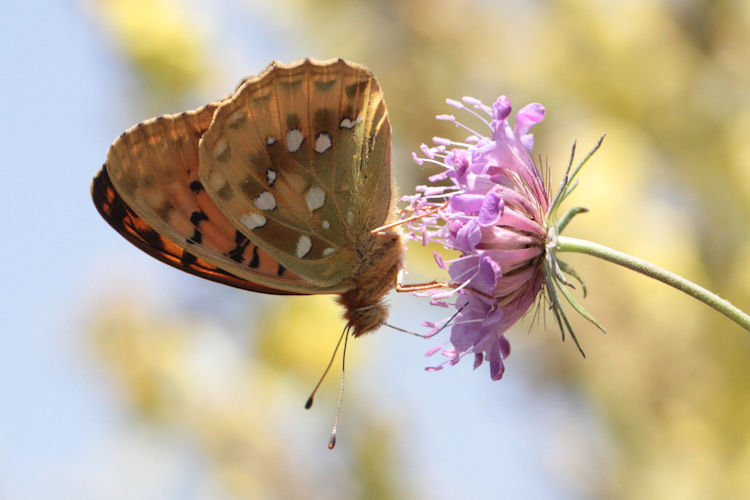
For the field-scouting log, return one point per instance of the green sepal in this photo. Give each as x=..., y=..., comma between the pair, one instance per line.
x=562, y=319
x=580, y=310
x=568, y=216
x=567, y=269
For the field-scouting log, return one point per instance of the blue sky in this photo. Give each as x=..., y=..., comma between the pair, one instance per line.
x=62, y=430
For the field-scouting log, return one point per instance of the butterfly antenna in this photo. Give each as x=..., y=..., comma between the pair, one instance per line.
x=399, y=329
x=332, y=441
x=309, y=402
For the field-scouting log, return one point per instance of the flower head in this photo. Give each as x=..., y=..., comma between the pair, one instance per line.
x=492, y=209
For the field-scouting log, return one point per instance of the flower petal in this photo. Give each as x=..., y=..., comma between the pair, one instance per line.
x=491, y=209
x=469, y=236
x=504, y=346
x=469, y=204
x=464, y=268
x=489, y=274
x=439, y=260
x=478, y=358
x=528, y=116
x=497, y=367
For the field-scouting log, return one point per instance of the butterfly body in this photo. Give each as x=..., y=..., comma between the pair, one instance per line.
x=364, y=304
x=274, y=189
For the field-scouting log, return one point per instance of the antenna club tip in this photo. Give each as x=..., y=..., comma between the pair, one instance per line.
x=309, y=403
x=332, y=442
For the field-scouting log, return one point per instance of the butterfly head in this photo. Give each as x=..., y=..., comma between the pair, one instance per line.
x=366, y=318
x=381, y=259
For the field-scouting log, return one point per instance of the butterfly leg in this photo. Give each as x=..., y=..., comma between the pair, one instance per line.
x=417, y=287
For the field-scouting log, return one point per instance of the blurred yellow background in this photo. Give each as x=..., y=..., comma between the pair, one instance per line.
x=125, y=379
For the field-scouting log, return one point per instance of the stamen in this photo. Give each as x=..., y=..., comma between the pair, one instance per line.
x=435, y=190
x=433, y=350
x=484, y=120
x=381, y=229
x=452, y=119
x=472, y=100
x=474, y=272
x=467, y=321
x=441, y=195
x=448, y=142
x=428, y=152
x=454, y=103
x=430, y=160
x=438, y=177
x=477, y=104
x=439, y=260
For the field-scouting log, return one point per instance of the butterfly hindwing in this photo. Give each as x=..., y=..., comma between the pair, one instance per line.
x=116, y=212
x=153, y=168
x=299, y=161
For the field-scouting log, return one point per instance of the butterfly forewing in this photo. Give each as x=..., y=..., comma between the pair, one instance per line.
x=299, y=161
x=154, y=169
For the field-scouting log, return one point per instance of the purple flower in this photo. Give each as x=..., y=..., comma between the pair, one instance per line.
x=491, y=207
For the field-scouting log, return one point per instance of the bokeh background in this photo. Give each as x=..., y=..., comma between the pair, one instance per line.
x=123, y=378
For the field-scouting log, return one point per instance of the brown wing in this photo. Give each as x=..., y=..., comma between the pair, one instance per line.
x=153, y=169
x=134, y=229
x=298, y=159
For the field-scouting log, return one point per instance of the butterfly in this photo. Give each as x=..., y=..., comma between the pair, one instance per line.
x=276, y=189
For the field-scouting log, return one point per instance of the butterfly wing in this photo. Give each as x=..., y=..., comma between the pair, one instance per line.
x=134, y=229
x=152, y=195
x=299, y=161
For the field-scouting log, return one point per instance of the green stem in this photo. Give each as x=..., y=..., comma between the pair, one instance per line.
x=565, y=244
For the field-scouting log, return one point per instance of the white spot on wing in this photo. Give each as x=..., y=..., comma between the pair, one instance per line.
x=270, y=140
x=322, y=143
x=235, y=119
x=325, y=224
x=216, y=181
x=294, y=140
x=328, y=251
x=348, y=123
x=265, y=201
x=315, y=197
x=303, y=246
x=253, y=221
x=349, y=218
x=220, y=148
x=271, y=176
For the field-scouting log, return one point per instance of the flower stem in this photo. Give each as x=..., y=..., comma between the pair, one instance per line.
x=565, y=244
